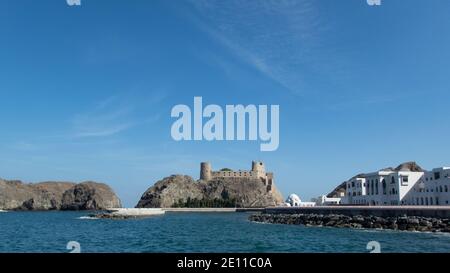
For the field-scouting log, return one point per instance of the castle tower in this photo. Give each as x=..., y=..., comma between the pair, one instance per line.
x=258, y=167
x=205, y=171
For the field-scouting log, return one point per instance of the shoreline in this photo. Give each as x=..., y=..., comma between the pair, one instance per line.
x=397, y=223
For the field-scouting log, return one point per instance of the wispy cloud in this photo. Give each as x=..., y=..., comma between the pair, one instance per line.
x=106, y=119
x=114, y=115
x=24, y=146
x=274, y=37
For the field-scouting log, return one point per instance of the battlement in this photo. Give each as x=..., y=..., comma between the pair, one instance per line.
x=258, y=171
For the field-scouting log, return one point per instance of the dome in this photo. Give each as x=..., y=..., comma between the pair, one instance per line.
x=294, y=200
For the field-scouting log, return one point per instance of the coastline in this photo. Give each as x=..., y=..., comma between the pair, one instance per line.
x=401, y=223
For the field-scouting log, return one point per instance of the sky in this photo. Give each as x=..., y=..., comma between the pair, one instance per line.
x=86, y=91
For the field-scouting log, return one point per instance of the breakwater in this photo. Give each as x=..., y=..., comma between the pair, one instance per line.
x=441, y=212
x=404, y=223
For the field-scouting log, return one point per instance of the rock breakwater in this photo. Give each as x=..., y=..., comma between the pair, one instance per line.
x=403, y=223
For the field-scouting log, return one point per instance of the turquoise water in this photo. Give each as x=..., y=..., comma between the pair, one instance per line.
x=195, y=232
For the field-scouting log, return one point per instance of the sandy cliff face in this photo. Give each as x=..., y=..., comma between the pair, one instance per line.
x=244, y=192
x=15, y=195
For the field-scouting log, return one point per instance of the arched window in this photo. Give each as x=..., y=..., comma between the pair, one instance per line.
x=421, y=201
x=446, y=188
x=392, y=180
x=384, y=186
x=440, y=188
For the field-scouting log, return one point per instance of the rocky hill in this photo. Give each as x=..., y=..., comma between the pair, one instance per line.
x=181, y=190
x=16, y=195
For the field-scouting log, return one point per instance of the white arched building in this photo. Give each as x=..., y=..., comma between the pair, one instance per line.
x=400, y=186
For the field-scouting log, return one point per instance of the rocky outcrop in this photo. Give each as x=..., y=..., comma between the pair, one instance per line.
x=403, y=223
x=338, y=191
x=409, y=166
x=89, y=196
x=16, y=195
x=240, y=192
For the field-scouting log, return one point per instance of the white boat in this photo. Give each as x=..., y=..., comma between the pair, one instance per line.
x=3, y=210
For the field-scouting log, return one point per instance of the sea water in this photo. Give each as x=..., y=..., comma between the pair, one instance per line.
x=195, y=232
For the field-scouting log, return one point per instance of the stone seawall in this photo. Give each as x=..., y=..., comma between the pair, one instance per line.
x=405, y=223
x=442, y=212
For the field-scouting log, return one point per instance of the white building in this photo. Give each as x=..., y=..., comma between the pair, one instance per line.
x=400, y=186
x=431, y=190
x=326, y=201
x=294, y=201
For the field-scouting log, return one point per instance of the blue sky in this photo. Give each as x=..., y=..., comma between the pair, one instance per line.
x=86, y=92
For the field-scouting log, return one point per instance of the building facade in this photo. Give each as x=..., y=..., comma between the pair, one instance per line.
x=327, y=201
x=399, y=187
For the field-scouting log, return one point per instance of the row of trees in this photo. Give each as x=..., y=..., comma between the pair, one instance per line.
x=205, y=203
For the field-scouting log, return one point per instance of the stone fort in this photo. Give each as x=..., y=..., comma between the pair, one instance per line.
x=258, y=171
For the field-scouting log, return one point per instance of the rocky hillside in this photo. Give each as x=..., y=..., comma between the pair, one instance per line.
x=178, y=189
x=16, y=195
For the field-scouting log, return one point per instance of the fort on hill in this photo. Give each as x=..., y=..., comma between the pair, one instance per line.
x=258, y=171
x=253, y=188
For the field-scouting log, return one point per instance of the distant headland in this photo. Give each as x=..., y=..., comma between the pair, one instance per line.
x=16, y=195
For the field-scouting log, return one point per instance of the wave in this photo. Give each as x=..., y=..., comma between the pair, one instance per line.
x=88, y=218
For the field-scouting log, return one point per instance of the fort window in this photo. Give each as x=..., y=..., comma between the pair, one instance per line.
x=446, y=188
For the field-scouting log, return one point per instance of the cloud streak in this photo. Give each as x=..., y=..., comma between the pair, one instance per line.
x=115, y=115
x=274, y=37
x=106, y=119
